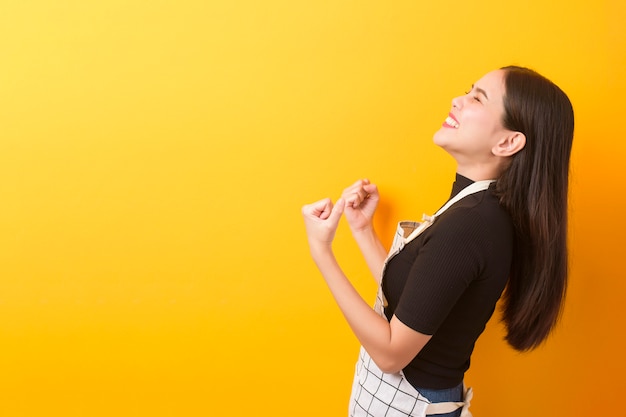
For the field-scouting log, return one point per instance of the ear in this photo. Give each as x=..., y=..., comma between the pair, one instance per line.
x=510, y=144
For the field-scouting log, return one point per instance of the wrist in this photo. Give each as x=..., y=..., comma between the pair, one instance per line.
x=320, y=249
x=364, y=231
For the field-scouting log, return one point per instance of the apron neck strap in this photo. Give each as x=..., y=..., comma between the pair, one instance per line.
x=470, y=189
x=428, y=220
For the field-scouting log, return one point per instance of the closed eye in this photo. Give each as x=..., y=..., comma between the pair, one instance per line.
x=475, y=97
x=478, y=91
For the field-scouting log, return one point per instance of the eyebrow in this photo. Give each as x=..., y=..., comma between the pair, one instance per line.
x=480, y=90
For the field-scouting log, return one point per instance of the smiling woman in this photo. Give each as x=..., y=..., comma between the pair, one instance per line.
x=477, y=138
x=503, y=229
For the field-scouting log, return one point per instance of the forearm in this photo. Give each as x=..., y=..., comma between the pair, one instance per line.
x=391, y=344
x=372, y=330
x=372, y=249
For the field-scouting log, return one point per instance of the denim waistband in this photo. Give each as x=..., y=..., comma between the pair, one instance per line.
x=444, y=395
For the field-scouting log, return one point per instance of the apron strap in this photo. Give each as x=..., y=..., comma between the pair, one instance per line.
x=470, y=189
x=428, y=220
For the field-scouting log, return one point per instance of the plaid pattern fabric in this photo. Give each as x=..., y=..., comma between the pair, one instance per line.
x=376, y=394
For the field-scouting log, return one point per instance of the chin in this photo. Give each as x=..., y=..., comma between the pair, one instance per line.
x=438, y=138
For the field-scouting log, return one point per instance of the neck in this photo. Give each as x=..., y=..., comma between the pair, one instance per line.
x=478, y=173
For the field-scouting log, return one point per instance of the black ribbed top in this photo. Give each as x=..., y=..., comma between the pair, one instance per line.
x=446, y=283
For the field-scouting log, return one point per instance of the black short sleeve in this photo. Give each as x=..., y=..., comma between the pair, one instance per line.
x=451, y=256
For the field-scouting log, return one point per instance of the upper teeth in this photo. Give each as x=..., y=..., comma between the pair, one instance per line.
x=450, y=121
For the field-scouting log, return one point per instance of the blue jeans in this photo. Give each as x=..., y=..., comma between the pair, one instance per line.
x=444, y=395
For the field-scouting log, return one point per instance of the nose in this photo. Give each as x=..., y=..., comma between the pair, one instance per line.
x=457, y=102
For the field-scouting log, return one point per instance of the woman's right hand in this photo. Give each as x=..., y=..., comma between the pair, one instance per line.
x=361, y=201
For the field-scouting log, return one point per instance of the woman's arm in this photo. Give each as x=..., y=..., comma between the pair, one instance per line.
x=361, y=202
x=372, y=249
x=392, y=345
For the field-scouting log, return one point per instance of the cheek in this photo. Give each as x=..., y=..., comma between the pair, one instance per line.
x=486, y=124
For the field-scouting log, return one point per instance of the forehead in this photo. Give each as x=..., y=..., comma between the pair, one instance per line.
x=493, y=84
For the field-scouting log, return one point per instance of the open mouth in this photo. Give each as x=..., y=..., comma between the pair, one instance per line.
x=451, y=122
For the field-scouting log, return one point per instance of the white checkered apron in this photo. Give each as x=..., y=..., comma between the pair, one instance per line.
x=376, y=393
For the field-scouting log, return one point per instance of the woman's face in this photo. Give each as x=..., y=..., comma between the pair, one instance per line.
x=474, y=124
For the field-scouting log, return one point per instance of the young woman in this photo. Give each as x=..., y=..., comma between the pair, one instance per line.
x=503, y=230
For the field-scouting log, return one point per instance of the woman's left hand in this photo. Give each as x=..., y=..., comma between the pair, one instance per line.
x=321, y=220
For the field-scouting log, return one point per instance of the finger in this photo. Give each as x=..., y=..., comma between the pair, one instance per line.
x=320, y=209
x=357, y=198
x=354, y=195
x=371, y=189
x=327, y=210
x=350, y=198
x=337, y=211
x=364, y=186
x=355, y=187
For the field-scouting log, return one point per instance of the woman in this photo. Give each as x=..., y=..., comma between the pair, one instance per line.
x=503, y=230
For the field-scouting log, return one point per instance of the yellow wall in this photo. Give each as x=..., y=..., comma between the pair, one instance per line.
x=154, y=156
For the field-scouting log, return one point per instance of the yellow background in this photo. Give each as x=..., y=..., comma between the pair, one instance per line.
x=154, y=156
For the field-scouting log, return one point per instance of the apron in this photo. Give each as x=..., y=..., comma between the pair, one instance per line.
x=376, y=393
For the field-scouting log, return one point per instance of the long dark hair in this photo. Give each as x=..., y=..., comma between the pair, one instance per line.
x=534, y=190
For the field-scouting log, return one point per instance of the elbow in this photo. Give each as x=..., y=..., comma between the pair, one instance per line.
x=389, y=365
